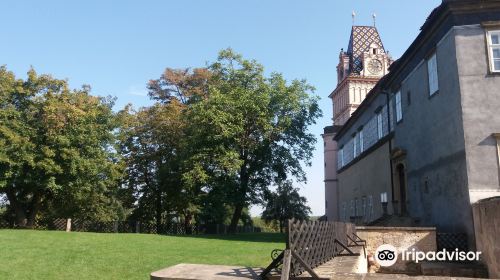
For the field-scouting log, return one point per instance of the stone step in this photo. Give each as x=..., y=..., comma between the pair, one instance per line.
x=472, y=270
x=394, y=221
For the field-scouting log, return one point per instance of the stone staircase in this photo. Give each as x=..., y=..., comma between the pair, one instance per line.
x=394, y=221
x=453, y=269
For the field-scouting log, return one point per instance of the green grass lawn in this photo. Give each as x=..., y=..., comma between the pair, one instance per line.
x=26, y=254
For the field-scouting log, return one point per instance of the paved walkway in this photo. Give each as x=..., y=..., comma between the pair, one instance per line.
x=222, y=272
x=206, y=272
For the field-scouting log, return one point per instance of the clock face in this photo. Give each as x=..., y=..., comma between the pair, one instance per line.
x=375, y=66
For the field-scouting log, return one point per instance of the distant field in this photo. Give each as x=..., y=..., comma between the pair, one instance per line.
x=26, y=254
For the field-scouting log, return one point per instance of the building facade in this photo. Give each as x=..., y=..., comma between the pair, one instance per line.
x=437, y=152
x=358, y=71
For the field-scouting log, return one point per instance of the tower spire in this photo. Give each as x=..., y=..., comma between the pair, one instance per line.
x=353, y=17
x=374, y=19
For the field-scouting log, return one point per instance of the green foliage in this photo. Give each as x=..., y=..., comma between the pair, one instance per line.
x=271, y=226
x=284, y=204
x=154, y=146
x=56, y=149
x=210, y=146
x=249, y=132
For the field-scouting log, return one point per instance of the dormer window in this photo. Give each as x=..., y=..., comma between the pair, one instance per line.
x=374, y=48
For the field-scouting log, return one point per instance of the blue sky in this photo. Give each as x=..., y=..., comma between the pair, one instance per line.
x=117, y=46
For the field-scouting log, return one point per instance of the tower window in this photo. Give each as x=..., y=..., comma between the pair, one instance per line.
x=374, y=51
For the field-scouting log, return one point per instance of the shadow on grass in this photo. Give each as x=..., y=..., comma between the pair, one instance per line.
x=248, y=237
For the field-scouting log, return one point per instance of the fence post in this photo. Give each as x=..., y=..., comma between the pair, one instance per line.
x=137, y=227
x=68, y=225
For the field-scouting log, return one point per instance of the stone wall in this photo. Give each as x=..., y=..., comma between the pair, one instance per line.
x=403, y=238
x=486, y=215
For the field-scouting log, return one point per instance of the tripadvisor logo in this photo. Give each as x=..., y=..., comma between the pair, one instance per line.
x=387, y=255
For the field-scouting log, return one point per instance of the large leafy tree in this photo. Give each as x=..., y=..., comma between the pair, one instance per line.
x=251, y=131
x=56, y=149
x=154, y=145
x=285, y=203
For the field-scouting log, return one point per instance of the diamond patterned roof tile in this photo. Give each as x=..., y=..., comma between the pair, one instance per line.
x=361, y=39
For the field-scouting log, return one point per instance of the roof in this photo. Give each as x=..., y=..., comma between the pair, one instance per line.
x=359, y=42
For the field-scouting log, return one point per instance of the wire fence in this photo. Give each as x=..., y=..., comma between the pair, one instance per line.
x=79, y=225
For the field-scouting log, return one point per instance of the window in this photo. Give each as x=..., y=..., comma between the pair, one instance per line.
x=363, y=208
x=399, y=109
x=353, y=209
x=355, y=146
x=432, y=75
x=341, y=155
x=497, y=138
x=370, y=208
x=379, y=126
x=357, y=210
x=344, y=211
x=408, y=98
x=361, y=142
x=494, y=50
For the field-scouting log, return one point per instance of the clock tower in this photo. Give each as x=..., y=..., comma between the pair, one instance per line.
x=358, y=71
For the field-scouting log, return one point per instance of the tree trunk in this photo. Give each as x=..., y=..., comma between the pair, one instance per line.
x=17, y=207
x=236, y=217
x=243, y=187
x=187, y=223
x=36, y=204
x=157, y=190
x=158, y=209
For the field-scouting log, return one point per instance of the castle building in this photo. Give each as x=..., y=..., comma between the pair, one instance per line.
x=358, y=70
x=424, y=144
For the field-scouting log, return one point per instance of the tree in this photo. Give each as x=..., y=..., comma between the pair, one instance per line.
x=56, y=148
x=284, y=204
x=154, y=144
x=249, y=132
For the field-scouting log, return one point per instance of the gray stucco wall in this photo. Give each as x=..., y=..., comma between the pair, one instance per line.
x=367, y=177
x=431, y=133
x=368, y=121
x=480, y=104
